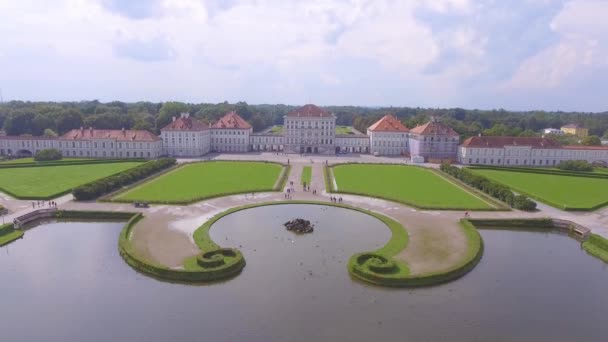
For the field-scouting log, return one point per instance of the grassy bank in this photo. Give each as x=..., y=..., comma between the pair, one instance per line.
x=8, y=234
x=597, y=246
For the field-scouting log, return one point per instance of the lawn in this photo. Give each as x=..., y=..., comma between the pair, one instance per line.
x=198, y=181
x=564, y=192
x=411, y=185
x=306, y=175
x=344, y=130
x=51, y=181
x=31, y=160
x=278, y=129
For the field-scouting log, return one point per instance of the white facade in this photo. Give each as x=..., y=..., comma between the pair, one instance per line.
x=230, y=140
x=94, y=148
x=358, y=143
x=266, y=142
x=310, y=134
x=529, y=156
x=388, y=143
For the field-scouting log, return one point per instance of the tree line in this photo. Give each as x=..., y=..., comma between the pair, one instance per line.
x=56, y=118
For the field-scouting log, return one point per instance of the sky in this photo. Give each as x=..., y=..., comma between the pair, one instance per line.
x=515, y=54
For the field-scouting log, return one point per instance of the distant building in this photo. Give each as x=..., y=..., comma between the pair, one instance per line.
x=310, y=129
x=186, y=137
x=388, y=136
x=525, y=151
x=576, y=130
x=553, y=131
x=231, y=134
x=88, y=143
x=433, y=141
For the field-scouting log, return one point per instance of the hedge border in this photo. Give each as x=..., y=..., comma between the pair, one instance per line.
x=329, y=186
x=556, y=172
x=597, y=246
x=70, y=162
x=474, y=254
x=192, y=272
x=277, y=187
x=9, y=234
x=542, y=199
x=397, y=243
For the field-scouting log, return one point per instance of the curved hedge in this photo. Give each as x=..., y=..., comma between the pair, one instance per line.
x=377, y=268
x=108, y=184
x=9, y=234
x=224, y=263
x=597, y=246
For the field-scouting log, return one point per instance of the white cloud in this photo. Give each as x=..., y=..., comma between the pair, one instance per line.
x=369, y=52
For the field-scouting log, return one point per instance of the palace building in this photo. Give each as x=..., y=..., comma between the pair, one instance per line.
x=306, y=130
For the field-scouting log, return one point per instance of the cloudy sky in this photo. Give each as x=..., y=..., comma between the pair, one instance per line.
x=515, y=54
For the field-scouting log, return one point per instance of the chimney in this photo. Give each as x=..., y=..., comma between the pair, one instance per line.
x=123, y=131
x=91, y=129
x=174, y=119
x=81, y=128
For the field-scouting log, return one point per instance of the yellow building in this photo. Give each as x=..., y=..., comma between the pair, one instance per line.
x=576, y=130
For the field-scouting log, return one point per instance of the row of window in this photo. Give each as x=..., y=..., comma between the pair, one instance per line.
x=83, y=144
x=515, y=162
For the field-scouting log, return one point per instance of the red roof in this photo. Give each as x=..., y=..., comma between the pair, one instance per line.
x=310, y=111
x=185, y=123
x=500, y=142
x=232, y=121
x=115, y=134
x=433, y=128
x=388, y=123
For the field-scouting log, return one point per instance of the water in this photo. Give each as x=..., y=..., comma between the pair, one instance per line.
x=67, y=282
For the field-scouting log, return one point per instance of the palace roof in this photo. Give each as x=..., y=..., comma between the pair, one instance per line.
x=232, y=121
x=114, y=134
x=433, y=128
x=388, y=123
x=309, y=111
x=500, y=142
x=185, y=123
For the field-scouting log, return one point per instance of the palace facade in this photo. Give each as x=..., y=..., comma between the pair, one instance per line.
x=306, y=130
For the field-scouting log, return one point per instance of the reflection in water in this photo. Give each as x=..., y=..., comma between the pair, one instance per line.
x=66, y=281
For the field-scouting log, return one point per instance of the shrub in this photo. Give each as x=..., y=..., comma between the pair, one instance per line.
x=490, y=187
x=103, y=186
x=575, y=165
x=48, y=154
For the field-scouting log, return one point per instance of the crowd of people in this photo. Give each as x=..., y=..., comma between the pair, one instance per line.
x=42, y=204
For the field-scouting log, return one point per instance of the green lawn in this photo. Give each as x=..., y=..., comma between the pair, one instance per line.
x=52, y=181
x=198, y=181
x=344, y=130
x=564, y=192
x=306, y=175
x=407, y=184
x=278, y=129
x=31, y=160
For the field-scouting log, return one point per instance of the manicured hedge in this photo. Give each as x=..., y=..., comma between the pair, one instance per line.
x=284, y=177
x=48, y=155
x=68, y=162
x=575, y=165
x=513, y=223
x=9, y=234
x=490, y=187
x=597, y=246
x=229, y=263
x=375, y=268
x=543, y=171
x=90, y=214
x=108, y=184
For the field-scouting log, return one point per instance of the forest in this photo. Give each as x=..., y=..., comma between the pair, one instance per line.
x=56, y=118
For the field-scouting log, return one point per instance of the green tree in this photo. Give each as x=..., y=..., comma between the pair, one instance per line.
x=67, y=120
x=168, y=111
x=592, y=140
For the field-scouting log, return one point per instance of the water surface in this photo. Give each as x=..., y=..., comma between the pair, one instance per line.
x=66, y=282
